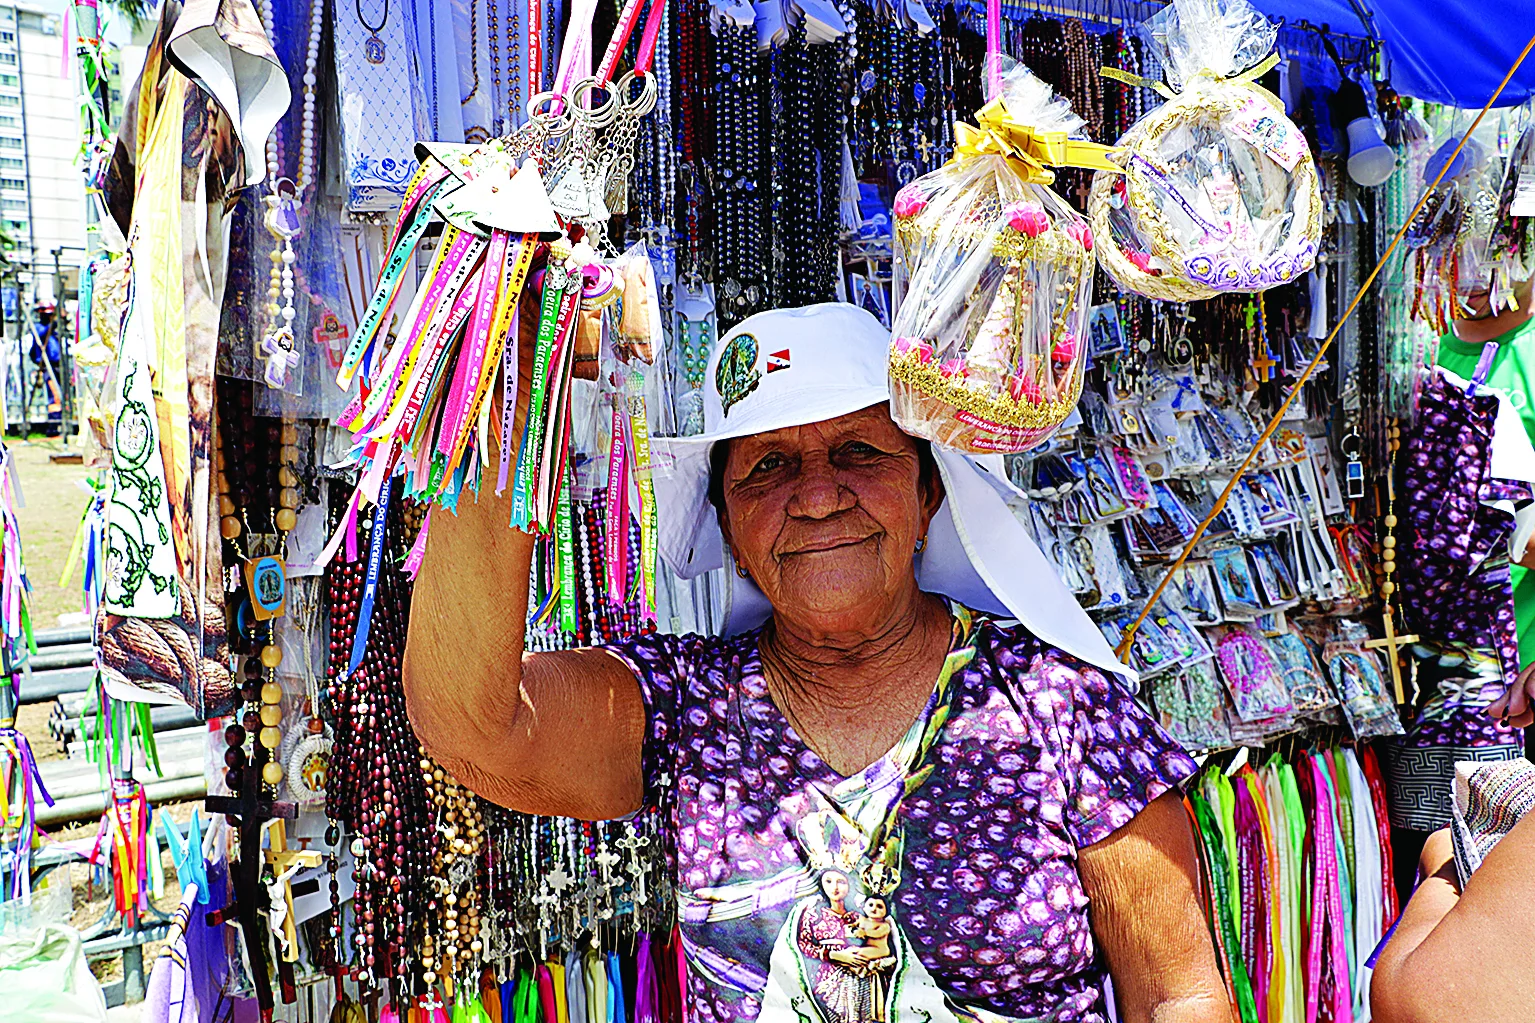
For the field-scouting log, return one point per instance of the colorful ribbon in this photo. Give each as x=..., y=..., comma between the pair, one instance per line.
x=1166, y=91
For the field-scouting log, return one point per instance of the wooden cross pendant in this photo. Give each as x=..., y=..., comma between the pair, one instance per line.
x=248, y=811
x=283, y=860
x=1084, y=189
x=1390, y=645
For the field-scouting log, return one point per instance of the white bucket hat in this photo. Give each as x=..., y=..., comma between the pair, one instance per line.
x=789, y=367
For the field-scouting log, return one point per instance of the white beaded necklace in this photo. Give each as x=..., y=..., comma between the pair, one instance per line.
x=284, y=204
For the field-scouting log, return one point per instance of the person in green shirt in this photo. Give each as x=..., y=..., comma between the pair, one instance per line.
x=1512, y=372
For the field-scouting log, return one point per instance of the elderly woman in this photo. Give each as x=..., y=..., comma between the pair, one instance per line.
x=952, y=753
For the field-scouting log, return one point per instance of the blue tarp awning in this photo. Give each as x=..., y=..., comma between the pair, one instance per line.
x=1443, y=51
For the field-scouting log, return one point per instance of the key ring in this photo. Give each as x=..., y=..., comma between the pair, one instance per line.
x=646, y=102
x=601, y=115
x=1351, y=445
x=553, y=122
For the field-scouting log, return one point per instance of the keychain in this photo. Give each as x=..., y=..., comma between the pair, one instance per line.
x=1177, y=351
x=1353, y=486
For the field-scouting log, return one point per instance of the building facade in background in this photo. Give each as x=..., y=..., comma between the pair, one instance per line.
x=42, y=185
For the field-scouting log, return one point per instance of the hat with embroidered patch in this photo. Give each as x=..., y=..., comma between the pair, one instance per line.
x=791, y=367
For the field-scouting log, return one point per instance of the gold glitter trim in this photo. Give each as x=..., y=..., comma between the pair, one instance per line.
x=1002, y=410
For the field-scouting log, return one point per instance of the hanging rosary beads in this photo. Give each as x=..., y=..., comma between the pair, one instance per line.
x=807, y=172
x=460, y=834
x=741, y=200
x=284, y=217
x=1392, y=640
x=378, y=791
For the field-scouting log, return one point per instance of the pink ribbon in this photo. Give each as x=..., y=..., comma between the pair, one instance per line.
x=615, y=538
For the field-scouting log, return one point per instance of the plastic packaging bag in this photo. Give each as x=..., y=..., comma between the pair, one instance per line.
x=46, y=978
x=1468, y=237
x=988, y=346
x=1219, y=190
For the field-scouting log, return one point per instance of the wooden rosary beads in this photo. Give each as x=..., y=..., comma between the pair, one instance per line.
x=460, y=838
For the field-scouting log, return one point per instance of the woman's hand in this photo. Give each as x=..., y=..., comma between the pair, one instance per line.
x=1146, y=915
x=1516, y=707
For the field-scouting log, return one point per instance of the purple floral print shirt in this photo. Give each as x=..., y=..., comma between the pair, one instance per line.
x=963, y=838
x=1456, y=589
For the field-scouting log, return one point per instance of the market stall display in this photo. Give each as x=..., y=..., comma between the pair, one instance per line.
x=380, y=262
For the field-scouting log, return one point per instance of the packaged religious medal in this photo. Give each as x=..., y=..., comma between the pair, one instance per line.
x=988, y=346
x=1218, y=190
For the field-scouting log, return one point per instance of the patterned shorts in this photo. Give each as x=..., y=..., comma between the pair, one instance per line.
x=1420, y=780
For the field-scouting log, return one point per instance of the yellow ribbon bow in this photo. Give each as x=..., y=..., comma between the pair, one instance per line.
x=1252, y=74
x=1029, y=151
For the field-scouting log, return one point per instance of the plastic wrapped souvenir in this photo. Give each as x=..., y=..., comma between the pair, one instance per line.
x=988, y=346
x=1218, y=191
x=1474, y=233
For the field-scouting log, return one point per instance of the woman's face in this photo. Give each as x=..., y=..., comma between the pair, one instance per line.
x=834, y=885
x=825, y=517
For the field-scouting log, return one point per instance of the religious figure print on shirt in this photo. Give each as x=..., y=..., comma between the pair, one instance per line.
x=839, y=955
x=937, y=884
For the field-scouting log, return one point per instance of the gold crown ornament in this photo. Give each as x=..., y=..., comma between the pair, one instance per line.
x=988, y=345
x=1215, y=190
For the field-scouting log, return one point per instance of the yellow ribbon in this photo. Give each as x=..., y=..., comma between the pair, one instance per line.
x=1031, y=152
x=1252, y=74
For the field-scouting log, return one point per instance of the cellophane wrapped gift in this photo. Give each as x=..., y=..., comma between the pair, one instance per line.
x=1219, y=191
x=988, y=345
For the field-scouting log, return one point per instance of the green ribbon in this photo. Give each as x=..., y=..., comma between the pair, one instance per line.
x=1220, y=883
x=533, y=431
x=565, y=534
x=387, y=288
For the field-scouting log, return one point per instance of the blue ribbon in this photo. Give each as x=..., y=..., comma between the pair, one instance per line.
x=370, y=587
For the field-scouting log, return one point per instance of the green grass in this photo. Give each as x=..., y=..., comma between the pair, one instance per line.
x=53, y=503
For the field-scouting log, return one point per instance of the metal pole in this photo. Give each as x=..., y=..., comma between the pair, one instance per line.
x=26, y=153
x=61, y=331
x=23, y=331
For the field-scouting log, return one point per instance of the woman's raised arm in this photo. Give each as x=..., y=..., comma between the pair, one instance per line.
x=550, y=733
x=553, y=733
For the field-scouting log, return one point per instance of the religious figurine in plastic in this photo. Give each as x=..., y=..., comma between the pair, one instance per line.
x=1197, y=601
x=282, y=216
x=994, y=349
x=1227, y=211
x=283, y=220
x=280, y=355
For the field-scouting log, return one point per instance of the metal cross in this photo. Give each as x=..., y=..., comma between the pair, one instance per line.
x=606, y=859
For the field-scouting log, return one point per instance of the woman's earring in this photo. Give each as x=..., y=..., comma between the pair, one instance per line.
x=921, y=544
x=739, y=570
